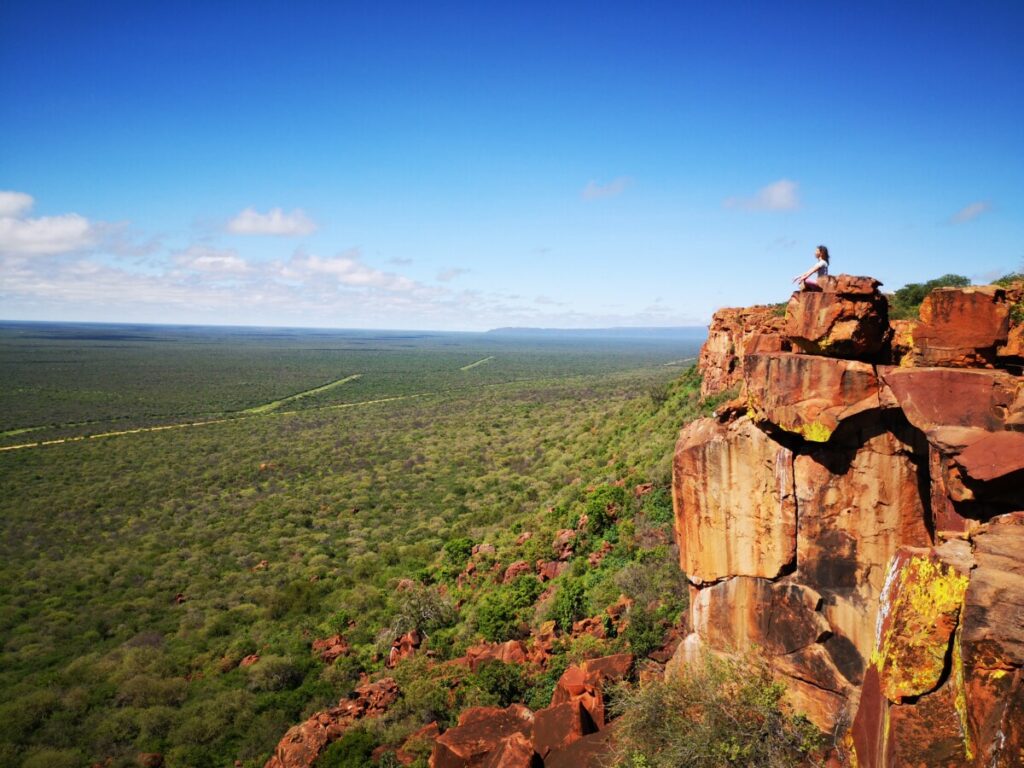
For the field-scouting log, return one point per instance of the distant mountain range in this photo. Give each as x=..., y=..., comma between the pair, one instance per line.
x=686, y=332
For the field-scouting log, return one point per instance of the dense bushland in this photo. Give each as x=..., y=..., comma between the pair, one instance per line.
x=137, y=572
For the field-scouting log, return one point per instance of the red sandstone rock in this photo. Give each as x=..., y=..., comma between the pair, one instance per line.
x=559, y=725
x=847, y=317
x=404, y=647
x=607, y=668
x=732, y=490
x=523, y=537
x=150, y=759
x=997, y=456
x=592, y=625
x=809, y=396
x=933, y=398
x=855, y=507
x=515, y=570
x=595, y=558
x=595, y=750
x=509, y=652
x=732, y=335
x=546, y=571
x=330, y=648
x=480, y=731
x=249, y=660
x=515, y=751
x=902, y=344
x=642, y=489
x=961, y=327
x=563, y=543
x=302, y=744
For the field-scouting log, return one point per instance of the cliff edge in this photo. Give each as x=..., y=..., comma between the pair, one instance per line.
x=856, y=511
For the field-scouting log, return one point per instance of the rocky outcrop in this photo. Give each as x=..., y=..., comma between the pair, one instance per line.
x=858, y=516
x=846, y=317
x=303, y=743
x=735, y=333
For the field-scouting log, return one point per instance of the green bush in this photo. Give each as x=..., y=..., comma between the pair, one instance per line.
x=353, y=750
x=604, y=506
x=505, y=682
x=726, y=713
x=501, y=612
x=570, y=604
x=274, y=673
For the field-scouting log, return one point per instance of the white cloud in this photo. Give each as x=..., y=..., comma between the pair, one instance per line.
x=47, y=235
x=348, y=269
x=780, y=195
x=201, y=258
x=273, y=222
x=969, y=212
x=447, y=275
x=595, y=191
x=14, y=204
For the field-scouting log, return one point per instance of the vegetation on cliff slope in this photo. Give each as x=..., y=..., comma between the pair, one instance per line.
x=138, y=571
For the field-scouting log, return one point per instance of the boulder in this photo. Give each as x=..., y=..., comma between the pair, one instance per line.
x=847, y=317
x=515, y=570
x=515, y=751
x=480, y=731
x=961, y=327
x=330, y=648
x=576, y=685
x=509, y=652
x=559, y=725
x=933, y=398
x=732, y=335
x=595, y=750
x=806, y=395
x=302, y=744
x=735, y=512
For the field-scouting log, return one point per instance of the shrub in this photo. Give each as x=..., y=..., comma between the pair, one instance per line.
x=274, y=673
x=604, y=506
x=505, y=682
x=500, y=612
x=353, y=750
x=724, y=713
x=570, y=604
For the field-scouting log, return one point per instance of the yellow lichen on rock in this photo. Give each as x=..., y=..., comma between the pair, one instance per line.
x=922, y=616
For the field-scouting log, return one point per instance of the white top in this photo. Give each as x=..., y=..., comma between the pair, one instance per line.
x=822, y=269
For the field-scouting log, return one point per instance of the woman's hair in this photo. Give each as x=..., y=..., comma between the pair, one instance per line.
x=824, y=252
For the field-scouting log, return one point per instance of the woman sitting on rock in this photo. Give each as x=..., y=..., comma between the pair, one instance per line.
x=809, y=279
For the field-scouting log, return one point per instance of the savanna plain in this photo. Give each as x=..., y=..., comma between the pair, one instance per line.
x=176, y=499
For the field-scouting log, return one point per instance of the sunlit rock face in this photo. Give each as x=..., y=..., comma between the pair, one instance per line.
x=847, y=317
x=859, y=517
x=962, y=327
x=735, y=333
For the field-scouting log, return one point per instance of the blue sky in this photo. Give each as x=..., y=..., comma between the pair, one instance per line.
x=473, y=165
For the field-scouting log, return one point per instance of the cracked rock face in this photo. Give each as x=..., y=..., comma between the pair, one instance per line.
x=862, y=523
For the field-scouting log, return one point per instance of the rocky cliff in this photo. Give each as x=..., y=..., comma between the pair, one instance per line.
x=856, y=511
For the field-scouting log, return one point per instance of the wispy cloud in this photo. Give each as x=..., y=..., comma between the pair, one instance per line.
x=46, y=235
x=447, y=275
x=201, y=258
x=970, y=212
x=273, y=222
x=781, y=195
x=347, y=269
x=595, y=191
